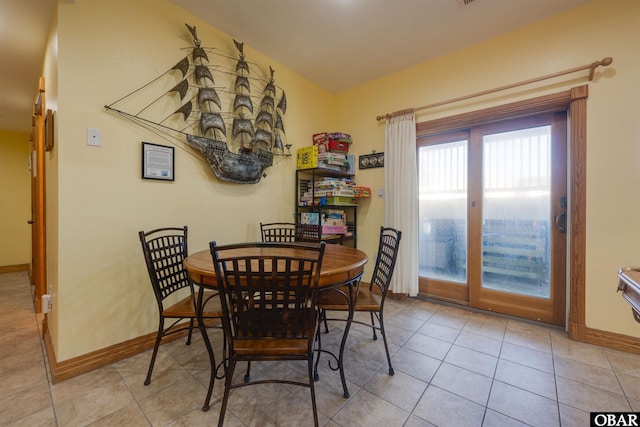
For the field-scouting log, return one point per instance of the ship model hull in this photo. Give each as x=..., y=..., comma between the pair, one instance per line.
x=241, y=168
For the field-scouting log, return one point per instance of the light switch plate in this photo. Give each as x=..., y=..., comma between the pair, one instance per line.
x=94, y=137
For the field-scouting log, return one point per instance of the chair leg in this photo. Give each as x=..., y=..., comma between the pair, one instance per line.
x=212, y=361
x=323, y=315
x=384, y=339
x=313, y=391
x=190, y=330
x=227, y=388
x=373, y=326
x=247, y=376
x=147, y=381
x=316, y=377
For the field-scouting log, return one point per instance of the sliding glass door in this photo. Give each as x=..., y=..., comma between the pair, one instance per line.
x=443, y=192
x=492, y=207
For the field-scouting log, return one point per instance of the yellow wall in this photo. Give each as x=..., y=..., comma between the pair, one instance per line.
x=15, y=202
x=107, y=48
x=581, y=36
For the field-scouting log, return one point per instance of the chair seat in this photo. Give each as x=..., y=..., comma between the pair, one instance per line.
x=271, y=347
x=184, y=308
x=293, y=344
x=366, y=300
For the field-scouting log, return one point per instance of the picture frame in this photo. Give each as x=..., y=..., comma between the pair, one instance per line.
x=369, y=161
x=48, y=130
x=158, y=162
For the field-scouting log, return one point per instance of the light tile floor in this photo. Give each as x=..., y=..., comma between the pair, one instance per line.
x=453, y=367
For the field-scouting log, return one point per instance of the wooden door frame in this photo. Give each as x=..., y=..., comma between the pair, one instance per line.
x=574, y=101
x=38, y=217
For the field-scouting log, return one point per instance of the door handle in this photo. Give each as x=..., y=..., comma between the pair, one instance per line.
x=561, y=221
x=31, y=222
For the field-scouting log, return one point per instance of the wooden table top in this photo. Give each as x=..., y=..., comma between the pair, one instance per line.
x=340, y=264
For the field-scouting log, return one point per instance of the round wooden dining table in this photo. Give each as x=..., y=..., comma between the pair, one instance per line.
x=341, y=266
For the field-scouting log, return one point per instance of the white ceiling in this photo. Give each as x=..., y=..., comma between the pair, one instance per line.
x=337, y=44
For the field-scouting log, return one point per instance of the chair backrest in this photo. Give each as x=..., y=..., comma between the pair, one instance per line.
x=164, y=252
x=386, y=258
x=278, y=232
x=266, y=288
x=309, y=233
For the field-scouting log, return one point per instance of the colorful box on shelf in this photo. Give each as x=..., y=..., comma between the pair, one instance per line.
x=307, y=157
x=351, y=160
x=334, y=184
x=323, y=193
x=320, y=138
x=336, y=136
x=334, y=217
x=335, y=158
x=361, y=191
x=332, y=146
x=344, y=192
x=309, y=218
x=340, y=136
x=334, y=229
x=341, y=201
x=335, y=142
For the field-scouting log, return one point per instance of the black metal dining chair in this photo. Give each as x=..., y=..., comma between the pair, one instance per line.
x=278, y=232
x=308, y=233
x=370, y=297
x=164, y=252
x=268, y=299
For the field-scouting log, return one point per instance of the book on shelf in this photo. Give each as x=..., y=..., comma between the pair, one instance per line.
x=312, y=218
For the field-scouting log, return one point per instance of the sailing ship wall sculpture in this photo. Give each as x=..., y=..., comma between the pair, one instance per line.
x=215, y=112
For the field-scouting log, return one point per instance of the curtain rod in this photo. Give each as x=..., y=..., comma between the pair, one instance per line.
x=591, y=67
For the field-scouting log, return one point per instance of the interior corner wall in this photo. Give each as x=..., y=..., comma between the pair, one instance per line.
x=577, y=37
x=107, y=49
x=15, y=202
x=50, y=74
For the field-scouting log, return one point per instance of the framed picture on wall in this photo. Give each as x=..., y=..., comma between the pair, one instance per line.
x=158, y=162
x=368, y=161
x=48, y=130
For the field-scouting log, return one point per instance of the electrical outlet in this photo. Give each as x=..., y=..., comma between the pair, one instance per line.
x=45, y=303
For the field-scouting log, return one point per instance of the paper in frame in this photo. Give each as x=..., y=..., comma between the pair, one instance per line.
x=158, y=162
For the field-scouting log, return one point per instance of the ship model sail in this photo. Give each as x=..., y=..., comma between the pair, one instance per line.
x=232, y=117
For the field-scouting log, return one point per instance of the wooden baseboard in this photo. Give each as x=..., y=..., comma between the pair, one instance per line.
x=612, y=340
x=582, y=333
x=70, y=368
x=391, y=294
x=577, y=331
x=14, y=268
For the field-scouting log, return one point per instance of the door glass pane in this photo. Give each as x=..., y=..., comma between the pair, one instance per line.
x=442, y=174
x=516, y=209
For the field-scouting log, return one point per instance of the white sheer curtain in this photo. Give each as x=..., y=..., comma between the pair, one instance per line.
x=401, y=198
